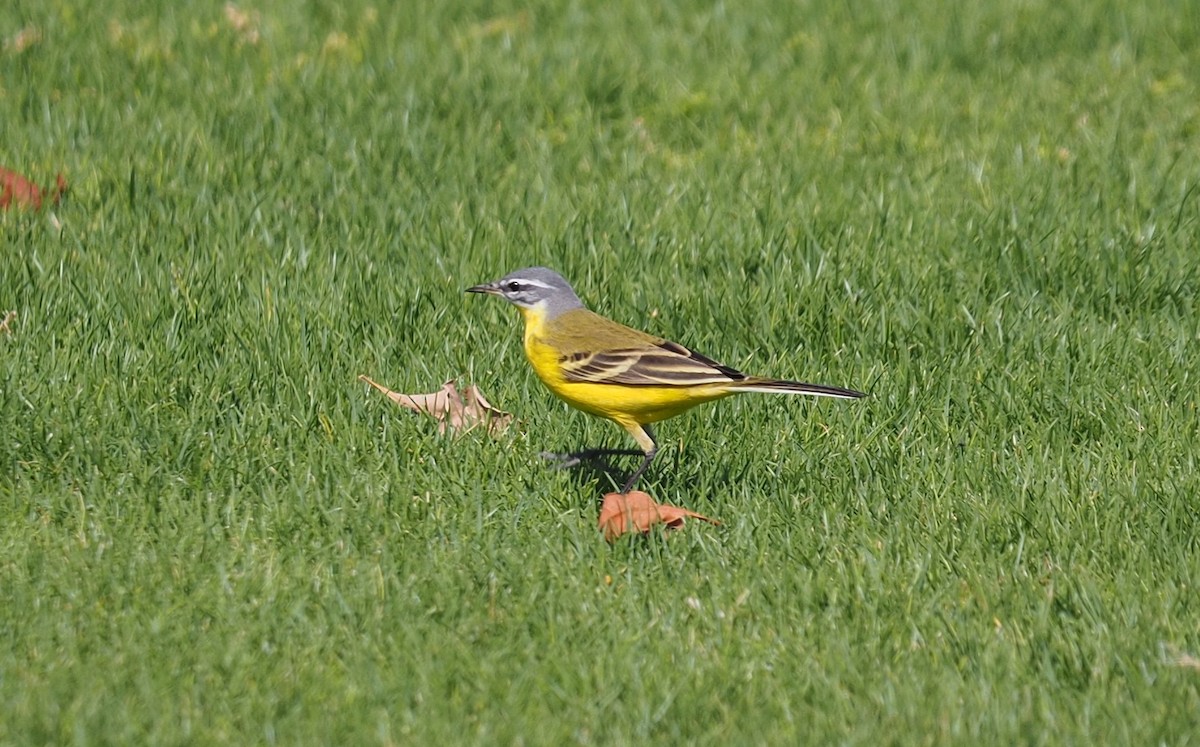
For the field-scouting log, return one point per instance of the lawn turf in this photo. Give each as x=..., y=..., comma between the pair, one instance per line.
x=986, y=216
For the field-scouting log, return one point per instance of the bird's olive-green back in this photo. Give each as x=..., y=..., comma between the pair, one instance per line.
x=582, y=331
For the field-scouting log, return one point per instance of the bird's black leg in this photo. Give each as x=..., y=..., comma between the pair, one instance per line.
x=645, y=463
x=638, y=472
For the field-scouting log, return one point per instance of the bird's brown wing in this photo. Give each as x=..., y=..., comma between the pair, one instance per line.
x=661, y=363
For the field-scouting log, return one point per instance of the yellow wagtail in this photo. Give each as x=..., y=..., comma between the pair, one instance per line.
x=616, y=372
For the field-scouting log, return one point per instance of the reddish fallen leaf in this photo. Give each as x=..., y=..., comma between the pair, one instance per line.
x=460, y=411
x=638, y=512
x=17, y=190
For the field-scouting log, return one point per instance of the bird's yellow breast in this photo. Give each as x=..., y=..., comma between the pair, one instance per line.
x=576, y=331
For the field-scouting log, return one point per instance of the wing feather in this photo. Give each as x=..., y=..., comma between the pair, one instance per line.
x=664, y=363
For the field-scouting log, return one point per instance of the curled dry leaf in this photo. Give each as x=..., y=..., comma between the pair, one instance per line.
x=638, y=512
x=460, y=411
x=8, y=317
x=19, y=191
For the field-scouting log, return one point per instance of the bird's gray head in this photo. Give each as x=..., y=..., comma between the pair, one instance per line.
x=533, y=288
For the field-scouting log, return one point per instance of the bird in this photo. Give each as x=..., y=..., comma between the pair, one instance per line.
x=607, y=369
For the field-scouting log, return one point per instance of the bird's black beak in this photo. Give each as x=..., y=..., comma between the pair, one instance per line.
x=490, y=288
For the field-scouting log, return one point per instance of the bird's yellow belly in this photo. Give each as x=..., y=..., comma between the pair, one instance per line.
x=621, y=403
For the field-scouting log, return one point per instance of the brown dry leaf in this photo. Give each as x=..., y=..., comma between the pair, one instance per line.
x=460, y=411
x=638, y=512
x=23, y=39
x=509, y=25
x=244, y=23
x=1177, y=658
x=8, y=317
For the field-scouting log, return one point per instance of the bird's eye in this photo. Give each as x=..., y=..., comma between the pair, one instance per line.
x=513, y=286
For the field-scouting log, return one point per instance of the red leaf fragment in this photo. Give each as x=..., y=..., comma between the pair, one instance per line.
x=458, y=410
x=18, y=190
x=638, y=512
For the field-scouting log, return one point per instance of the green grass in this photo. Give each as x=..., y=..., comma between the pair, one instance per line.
x=211, y=532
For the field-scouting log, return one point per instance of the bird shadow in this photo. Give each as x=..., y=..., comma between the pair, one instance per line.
x=608, y=469
x=587, y=465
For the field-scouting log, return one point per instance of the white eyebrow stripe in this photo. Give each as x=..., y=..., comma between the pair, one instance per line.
x=530, y=281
